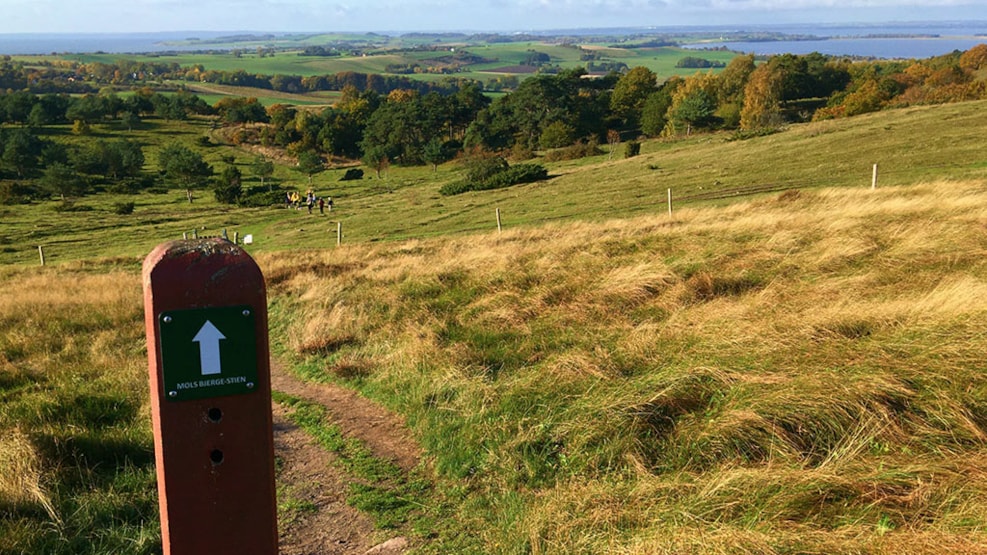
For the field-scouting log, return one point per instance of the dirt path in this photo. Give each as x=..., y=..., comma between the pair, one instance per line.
x=326, y=524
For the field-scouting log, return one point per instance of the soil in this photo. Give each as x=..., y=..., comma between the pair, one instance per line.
x=327, y=525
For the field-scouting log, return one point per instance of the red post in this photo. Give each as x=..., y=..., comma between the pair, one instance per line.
x=205, y=312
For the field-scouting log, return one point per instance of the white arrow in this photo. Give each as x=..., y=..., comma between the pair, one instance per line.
x=208, y=339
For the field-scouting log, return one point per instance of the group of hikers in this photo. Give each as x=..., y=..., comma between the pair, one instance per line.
x=294, y=200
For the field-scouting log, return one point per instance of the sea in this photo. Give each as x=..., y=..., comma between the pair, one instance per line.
x=887, y=41
x=914, y=40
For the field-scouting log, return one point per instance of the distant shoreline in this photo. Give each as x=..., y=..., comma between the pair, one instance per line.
x=781, y=36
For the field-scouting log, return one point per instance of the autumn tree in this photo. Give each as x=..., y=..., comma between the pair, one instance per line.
x=631, y=92
x=693, y=104
x=730, y=84
x=762, y=99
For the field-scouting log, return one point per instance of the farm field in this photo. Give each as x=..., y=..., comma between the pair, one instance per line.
x=794, y=371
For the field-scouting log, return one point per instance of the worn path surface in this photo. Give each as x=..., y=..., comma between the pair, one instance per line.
x=326, y=524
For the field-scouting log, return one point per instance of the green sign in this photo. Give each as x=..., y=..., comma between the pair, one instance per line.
x=208, y=352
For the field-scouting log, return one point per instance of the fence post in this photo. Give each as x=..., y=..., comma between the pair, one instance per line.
x=669, y=202
x=339, y=233
x=499, y=229
x=41, y=253
x=873, y=181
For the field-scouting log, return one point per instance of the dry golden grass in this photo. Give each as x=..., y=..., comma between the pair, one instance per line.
x=797, y=373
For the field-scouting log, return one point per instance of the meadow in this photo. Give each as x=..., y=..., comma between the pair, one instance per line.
x=794, y=372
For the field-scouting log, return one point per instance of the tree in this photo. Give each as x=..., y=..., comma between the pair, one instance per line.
x=654, y=116
x=556, y=134
x=184, y=167
x=435, y=153
x=262, y=168
x=762, y=99
x=131, y=120
x=694, y=103
x=59, y=179
x=310, y=163
x=21, y=150
x=613, y=139
x=229, y=187
x=376, y=158
x=630, y=93
x=124, y=158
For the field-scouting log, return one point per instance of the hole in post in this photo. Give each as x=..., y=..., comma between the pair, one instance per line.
x=216, y=456
x=215, y=415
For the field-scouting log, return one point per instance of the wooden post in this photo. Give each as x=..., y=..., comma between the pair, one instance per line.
x=499, y=229
x=236, y=237
x=185, y=236
x=873, y=181
x=339, y=233
x=41, y=253
x=669, y=202
x=205, y=316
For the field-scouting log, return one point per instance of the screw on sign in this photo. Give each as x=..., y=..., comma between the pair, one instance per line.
x=205, y=308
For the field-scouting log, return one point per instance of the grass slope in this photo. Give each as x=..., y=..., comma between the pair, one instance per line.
x=910, y=146
x=796, y=374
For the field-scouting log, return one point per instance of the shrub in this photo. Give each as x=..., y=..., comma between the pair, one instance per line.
x=228, y=193
x=455, y=188
x=123, y=208
x=632, y=149
x=15, y=193
x=575, y=152
x=514, y=175
x=69, y=206
x=260, y=197
x=352, y=174
x=480, y=169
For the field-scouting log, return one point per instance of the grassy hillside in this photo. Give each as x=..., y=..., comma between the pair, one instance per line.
x=797, y=374
x=794, y=372
x=912, y=145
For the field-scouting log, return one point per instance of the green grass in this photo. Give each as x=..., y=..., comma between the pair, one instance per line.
x=795, y=373
x=910, y=146
x=786, y=373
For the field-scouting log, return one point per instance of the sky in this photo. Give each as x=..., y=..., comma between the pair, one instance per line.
x=121, y=16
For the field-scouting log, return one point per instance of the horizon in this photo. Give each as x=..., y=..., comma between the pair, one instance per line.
x=442, y=16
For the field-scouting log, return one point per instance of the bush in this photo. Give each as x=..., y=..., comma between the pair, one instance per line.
x=228, y=193
x=352, y=174
x=15, y=193
x=480, y=169
x=260, y=197
x=123, y=208
x=632, y=149
x=455, y=188
x=574, y=152
x=69, y=206
x=514, y=175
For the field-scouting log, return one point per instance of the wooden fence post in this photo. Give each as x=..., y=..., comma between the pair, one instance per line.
x=669, y=202
x=499, y=229
x=339, y=233
x=41, y=253
x=873, y=181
